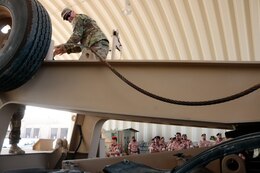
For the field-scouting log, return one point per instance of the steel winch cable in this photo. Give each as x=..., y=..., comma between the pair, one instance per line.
x=173, y=101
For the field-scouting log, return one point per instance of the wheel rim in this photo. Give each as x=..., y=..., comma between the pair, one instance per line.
x=5, y=26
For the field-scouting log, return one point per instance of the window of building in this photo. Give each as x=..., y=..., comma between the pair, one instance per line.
x=28, y=132
x=54, y=133
x=47, y=123
x=42, y=123
x=36, y=132
x=63, y=133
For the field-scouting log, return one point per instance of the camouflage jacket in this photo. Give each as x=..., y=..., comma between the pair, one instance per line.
x=114, y=150
x=85, y=32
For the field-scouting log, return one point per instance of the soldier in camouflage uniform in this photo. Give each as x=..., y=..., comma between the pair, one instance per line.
x=114, y=148
x=86, y=32
x=163, y=144
x=155, y=145
x=133, y=146
x=204, y=142
x=177, y=144
x=14, y=136
x=219, y=139
x=187, y=142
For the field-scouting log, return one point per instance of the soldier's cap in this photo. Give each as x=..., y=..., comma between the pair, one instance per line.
x=65, y=12
x=178, y=133
x=114, y=137
x=157, y=137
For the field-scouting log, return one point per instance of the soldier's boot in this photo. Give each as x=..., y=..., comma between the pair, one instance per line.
x=14, y=149
x=14, y=136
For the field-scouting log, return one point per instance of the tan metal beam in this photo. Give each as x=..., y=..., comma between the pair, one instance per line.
x=92, y=87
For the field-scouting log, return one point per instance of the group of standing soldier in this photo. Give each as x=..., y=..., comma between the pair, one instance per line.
x=158, y=144
x=114, y=149
x=180, y=142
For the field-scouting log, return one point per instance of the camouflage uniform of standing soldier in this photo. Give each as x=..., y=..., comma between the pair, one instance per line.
x=86, y=32
x=14, y=136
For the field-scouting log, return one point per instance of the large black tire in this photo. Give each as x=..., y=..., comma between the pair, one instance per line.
x=28, y=42
x=234, y=146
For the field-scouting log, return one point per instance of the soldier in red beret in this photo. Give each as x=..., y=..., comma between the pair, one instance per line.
x=114, y=149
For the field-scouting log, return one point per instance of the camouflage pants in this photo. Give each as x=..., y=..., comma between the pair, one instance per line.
x=14, y=136
x=101, y=48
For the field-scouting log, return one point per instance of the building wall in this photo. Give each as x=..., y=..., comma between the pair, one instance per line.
x=47, y=119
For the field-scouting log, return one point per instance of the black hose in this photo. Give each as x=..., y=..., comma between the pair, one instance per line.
x=178, y=102
x=80, y=140
x=173, y=101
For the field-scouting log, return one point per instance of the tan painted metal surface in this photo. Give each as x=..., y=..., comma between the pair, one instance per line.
x=166, y=161
x=93, y=88
x=30, y=160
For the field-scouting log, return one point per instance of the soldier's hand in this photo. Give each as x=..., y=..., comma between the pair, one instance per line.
x=59, y=50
